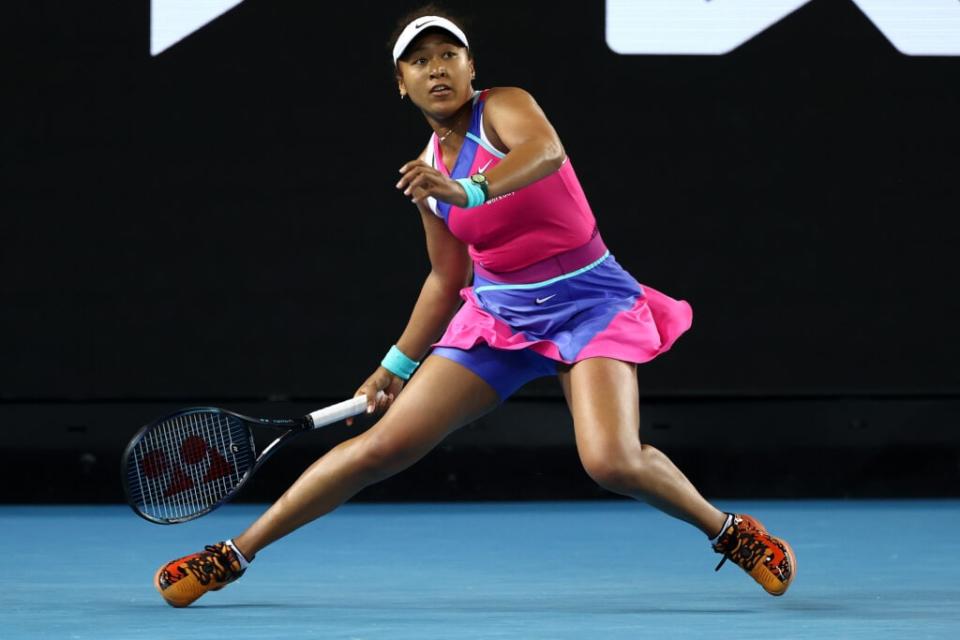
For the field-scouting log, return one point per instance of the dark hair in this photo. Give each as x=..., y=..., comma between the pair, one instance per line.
x=431, y=9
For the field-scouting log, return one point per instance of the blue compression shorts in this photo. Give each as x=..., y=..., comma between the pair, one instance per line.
x=504, y=370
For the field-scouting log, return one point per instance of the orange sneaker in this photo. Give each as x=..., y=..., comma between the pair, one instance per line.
x=182, y=581
x=770, y=561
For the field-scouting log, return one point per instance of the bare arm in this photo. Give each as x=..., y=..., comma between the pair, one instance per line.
x=516, y=123
x=439, y=299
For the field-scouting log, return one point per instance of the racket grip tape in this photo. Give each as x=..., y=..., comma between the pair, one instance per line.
x=341, y=410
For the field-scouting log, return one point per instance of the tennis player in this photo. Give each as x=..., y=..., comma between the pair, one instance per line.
x=504, y=213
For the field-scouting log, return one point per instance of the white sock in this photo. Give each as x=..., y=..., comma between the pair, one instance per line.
x=726, y=525
x=244, y=563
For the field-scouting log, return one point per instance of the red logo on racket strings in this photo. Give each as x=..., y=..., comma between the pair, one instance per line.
x=193, y=450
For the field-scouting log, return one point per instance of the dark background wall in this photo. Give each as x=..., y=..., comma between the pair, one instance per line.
x=219, y=222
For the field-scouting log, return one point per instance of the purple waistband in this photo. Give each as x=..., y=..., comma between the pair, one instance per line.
x=550, y=267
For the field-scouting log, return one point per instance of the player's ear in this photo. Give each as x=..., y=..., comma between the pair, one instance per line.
x=401, y=85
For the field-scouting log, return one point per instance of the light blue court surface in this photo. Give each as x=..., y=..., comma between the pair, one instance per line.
x=584, y=570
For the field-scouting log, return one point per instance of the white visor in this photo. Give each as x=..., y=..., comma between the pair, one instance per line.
x=418, y=26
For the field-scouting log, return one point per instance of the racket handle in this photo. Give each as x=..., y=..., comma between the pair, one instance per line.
x=341, y=410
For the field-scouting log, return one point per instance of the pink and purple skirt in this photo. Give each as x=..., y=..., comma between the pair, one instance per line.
x=581, y=304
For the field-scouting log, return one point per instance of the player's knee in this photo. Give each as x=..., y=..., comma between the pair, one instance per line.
x=614, y=469
x=380, y=457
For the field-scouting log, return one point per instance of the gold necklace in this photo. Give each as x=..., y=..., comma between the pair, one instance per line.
x=445, y=136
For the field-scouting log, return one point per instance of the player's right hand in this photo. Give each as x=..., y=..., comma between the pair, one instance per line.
x=379, y=380
x=420, y=181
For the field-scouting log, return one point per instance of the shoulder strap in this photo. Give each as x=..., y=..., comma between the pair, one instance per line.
x=461, y=169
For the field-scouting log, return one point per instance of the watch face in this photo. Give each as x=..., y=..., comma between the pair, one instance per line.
x=479, y=178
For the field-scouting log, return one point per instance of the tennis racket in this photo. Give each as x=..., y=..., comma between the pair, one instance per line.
x=190, y=462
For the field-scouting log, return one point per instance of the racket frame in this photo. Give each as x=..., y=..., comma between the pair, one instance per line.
x=293, y=428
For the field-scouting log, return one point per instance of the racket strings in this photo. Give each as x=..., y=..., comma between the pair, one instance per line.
x=188, y=463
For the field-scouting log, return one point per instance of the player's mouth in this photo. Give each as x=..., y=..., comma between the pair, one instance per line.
x=441, y=90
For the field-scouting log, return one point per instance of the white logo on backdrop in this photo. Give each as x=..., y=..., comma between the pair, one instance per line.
x=917, y=27
x=173, y=20
x=705, y=27
x=716, y=27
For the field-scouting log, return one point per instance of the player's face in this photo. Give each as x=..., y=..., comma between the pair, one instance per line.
x=436, y=72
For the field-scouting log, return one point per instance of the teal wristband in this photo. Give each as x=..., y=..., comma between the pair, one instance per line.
x=475, y=194
x=397, y=363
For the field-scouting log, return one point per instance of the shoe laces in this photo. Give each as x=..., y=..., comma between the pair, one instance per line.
x=746, y=549
x=214, y=563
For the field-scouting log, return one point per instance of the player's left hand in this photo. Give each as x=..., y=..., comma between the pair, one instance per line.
x=419, y=180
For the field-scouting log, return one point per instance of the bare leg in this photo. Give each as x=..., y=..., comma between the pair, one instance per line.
x=441, y=398
x=603, y=398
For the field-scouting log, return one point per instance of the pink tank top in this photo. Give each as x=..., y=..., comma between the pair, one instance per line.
x=515, y=230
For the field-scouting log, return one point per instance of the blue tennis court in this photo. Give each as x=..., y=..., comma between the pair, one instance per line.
x=610, y=569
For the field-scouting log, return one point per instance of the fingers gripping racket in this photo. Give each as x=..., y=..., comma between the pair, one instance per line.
x=188, y=463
